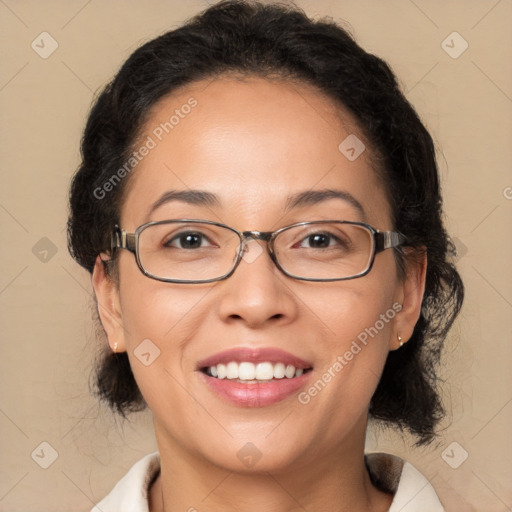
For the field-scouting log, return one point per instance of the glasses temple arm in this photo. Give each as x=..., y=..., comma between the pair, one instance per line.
x=388, y=240
x=120, y=239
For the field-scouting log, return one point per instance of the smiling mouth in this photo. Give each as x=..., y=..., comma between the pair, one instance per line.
x=253, y=373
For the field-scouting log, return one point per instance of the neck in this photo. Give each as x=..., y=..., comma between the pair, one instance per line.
x=336, y=481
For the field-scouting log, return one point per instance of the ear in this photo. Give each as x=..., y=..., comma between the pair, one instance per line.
x=107, y=298
x=410, y=296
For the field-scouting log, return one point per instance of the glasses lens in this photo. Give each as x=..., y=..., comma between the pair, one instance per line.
x=187, y=251
x=330, y=250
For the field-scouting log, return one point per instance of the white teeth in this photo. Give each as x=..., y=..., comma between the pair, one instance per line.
x=264, y=371
x=221, y=371
x=232, y=370
x=289, y=371
x=278, y=371
x=247, y=371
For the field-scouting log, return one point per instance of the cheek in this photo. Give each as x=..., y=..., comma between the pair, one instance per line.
x=158, y=320
x=153, y=309
x=359, y=309
x=356, y=324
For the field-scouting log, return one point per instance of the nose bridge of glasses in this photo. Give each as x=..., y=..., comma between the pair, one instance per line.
x=257, y=235
x=247, y=236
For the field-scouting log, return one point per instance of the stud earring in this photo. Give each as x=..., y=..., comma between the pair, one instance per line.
x=115, y=347
x=400, y=340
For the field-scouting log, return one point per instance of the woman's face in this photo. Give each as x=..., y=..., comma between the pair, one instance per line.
x=256, y=145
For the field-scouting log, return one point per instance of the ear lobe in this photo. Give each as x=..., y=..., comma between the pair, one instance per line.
x=410, y=296
x=107, y=298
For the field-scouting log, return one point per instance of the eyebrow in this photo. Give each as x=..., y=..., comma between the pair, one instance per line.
x=301, y=199
x=312, y=197
x=195, y=197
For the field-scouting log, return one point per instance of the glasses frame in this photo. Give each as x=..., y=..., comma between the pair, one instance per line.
x=381, y=240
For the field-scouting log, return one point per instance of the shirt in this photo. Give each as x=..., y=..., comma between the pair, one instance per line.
x=412, y=491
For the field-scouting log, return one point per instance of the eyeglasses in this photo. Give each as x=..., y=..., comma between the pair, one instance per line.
x=201, y=251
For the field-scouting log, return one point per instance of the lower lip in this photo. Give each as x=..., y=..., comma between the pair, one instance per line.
x=255, y=395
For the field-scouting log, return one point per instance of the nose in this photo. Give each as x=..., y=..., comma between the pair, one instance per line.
x=257, y=293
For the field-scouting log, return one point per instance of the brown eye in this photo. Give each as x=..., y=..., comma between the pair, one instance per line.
x=188, y=240
x=321, y=240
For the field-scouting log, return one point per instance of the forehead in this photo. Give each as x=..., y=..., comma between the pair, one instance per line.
x=253, y=142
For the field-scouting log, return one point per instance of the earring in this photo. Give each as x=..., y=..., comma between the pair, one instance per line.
x=115, y=347
x=400, y=340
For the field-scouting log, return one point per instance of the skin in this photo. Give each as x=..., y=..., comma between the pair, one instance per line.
x=254, y=142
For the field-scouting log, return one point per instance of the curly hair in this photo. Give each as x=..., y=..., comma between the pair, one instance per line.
x=269, y=40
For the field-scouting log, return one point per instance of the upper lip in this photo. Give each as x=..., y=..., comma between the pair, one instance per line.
x=254, y=355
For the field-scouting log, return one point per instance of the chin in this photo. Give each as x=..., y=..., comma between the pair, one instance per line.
x=253, y=455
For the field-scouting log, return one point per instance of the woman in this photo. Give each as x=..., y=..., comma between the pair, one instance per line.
x=260, y=210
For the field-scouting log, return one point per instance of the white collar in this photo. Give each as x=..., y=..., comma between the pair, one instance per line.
x=412, y=491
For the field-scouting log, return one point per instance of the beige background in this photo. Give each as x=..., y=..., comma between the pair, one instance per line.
x=48, y=345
